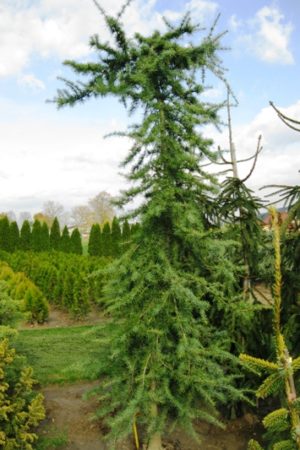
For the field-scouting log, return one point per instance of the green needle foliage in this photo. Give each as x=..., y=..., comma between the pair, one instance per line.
x=55, y=235
x=283, y=424
x=163, y=359
x=37, y=236
x=45, y=238
x=106, y=239
x=94, y=244
x=115, y=238
x=14, y=236
x=75, y=242
x=239, y=207
x=25, y=236
x=65, y=240
x=126, y=235
x=4, y=234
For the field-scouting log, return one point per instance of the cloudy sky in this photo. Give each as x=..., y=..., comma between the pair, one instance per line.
x=61, y=155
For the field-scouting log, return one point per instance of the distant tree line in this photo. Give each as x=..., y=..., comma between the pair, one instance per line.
x=110, y=240
x=38, y=237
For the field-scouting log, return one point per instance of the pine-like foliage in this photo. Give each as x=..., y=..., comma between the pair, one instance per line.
x=55, y=235
x=45, y=238
x=283, y=424
x=162, y=358
x=37, y=237
x=21, y=410
x=4, y=234
x=14, y=236
x=75, y=242
x=25, y=236
x=65, y=244
x=126, y=236
x=106, y=240
x=240, y=208
x=9, y=309
x=94, y=244
x=115, y=238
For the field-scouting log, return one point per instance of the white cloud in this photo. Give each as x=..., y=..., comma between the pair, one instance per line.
x=55, y=28
x=57, y=159
x=30, y=80
x=268, y=36
x=69, y=161
x=234, y=23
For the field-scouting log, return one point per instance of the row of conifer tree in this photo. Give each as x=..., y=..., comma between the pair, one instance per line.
x=109, y=241
x=38, y=237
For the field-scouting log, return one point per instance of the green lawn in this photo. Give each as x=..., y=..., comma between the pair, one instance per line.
x=60, y=355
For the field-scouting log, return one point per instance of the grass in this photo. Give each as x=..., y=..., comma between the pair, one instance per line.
x=61, y=355
x=57, y=441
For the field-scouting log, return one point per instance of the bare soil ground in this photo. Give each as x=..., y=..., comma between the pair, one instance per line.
x=67, y=411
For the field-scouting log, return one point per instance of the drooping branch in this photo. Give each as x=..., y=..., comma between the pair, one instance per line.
x=238, y=205
x=233, y=162
x=100, y=8
x=123, y=9
x=288, y=121
x=258, y=150
x=290, y=195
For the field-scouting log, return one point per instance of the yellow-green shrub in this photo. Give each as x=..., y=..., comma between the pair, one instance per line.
x=35, y=305
x=29, y=297
x=21, y=409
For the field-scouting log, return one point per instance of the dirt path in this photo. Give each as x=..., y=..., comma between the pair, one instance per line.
x=68, y=412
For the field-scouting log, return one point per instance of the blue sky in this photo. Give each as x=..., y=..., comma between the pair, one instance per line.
x=61, y=155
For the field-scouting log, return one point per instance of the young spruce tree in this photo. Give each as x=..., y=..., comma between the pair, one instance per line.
x=162, y=358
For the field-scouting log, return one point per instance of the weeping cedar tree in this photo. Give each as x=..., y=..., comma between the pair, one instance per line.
x=162, y=357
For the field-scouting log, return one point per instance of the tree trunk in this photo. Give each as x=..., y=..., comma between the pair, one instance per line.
x=155, y=442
